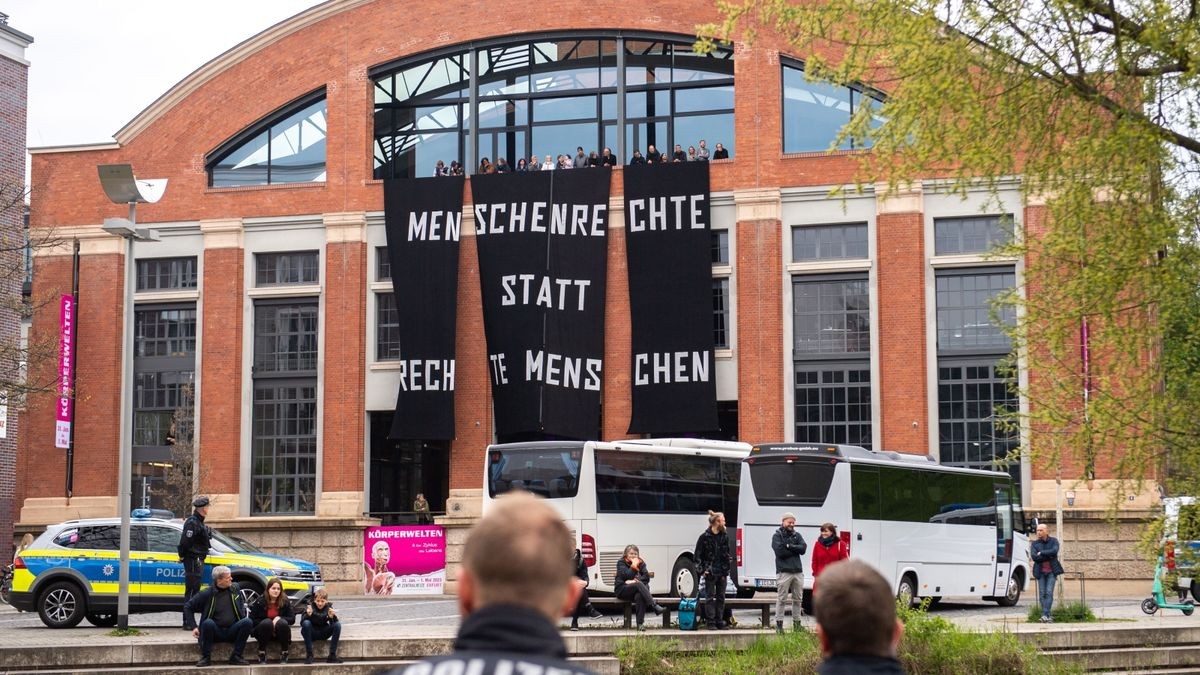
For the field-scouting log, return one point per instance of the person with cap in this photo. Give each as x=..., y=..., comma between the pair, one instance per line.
x=194, y=543
x=788, y=545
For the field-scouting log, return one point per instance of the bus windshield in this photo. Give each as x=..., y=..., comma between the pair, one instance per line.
x=783, y=483
x=551, y=472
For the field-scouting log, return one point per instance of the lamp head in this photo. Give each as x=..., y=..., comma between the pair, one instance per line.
x=122, y=188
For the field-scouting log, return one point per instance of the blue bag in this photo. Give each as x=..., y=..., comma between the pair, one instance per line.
x=687, y=614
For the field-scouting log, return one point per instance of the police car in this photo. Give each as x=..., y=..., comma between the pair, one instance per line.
x=71, y=571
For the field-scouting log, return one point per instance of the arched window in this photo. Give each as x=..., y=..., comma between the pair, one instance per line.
x=814, y=112
x=548, y=95
x=288, y=146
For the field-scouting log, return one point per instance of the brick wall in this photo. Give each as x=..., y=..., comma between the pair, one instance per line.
x=901, y=311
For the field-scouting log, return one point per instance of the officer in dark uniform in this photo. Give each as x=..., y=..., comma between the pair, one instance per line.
x=193, y=548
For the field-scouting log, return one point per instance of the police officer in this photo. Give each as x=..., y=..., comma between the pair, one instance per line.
x=193, y=548
x=515, y=582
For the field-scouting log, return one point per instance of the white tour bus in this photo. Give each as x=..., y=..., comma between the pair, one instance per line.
x=655, y=493
x=931, y=530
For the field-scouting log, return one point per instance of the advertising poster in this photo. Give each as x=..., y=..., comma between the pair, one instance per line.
x=66, y=368
x=404, y=560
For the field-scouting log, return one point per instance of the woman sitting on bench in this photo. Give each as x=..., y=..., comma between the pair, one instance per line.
x=633, y=584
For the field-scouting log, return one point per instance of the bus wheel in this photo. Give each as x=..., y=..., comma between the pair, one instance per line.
x=1196, y=590
x=907, y=592
x=685, y=580
x=1012, y=593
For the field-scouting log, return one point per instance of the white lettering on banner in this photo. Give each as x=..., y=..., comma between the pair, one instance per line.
x=434, y=226
x=406, y=533
x=670, y=368
x=584, y=220
x=562, y=371
x=499, y=369
x=426, y=374
x=650, y=213
x=545, y=293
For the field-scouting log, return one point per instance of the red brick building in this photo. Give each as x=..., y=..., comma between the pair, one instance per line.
x=268, y=300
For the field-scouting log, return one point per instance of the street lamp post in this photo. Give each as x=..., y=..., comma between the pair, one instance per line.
x=122, y=188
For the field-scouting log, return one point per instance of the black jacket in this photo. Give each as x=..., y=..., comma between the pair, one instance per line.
x=205, y=600
x=625, y=573
x=505, y=639
x=858, y=664
x=712, y=553
x=788, y=549
x=320, y=617
x=195, y=540
x=258, y=611
x=581, y=566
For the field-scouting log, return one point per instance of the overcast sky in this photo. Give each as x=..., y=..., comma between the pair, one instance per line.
x=95, y=64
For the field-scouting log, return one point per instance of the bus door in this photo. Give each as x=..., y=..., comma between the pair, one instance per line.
x=865, y=529
x=1004, y=535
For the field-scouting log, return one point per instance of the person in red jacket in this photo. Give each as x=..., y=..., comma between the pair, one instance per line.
x=828, y=550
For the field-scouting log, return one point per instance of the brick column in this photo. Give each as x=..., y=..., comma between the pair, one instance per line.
x=900, y=299
x=618, y=361
x=472, y=386
x=344, y=366
x=220, y=366
x=759, y=270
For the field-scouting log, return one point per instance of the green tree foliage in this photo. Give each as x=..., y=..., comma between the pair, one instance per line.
x=1095, y=106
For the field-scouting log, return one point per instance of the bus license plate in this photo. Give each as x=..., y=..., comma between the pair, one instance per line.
x=764, y=583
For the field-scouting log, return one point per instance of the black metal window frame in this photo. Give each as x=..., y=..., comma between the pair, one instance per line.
x=965, y=311
x=833, y=241
x=971, y=393
x=167, y=274
x=164, y=376
x=856, y=93
x=297, y=268
x=854, y=327
x=832, y=402
x=459, y=97
x=285, y=415
x=387, y=327
x=383, y=264
x=251, y=133
x=721, y=327
x=965, y=235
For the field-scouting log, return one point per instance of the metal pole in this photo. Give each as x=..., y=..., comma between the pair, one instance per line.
x=74, y=371
x=125, y=448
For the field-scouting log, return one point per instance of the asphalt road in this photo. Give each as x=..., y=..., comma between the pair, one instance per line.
x=383, y=613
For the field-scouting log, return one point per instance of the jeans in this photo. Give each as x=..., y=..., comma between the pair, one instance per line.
x=330, y=632
x=267, y=631
x=639, y=595
x=714, y=599
x=210, y=632
x=1046, y=593
x=792, y=582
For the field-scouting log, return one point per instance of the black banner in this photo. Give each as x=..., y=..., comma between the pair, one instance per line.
x=423, y=218
x=542, y=239
x=667, y=231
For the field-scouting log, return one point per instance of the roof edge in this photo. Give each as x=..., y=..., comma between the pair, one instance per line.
x=223, y=62
x=82, y=147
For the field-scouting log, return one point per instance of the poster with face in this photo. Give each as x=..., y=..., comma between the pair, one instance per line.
x=404, y=560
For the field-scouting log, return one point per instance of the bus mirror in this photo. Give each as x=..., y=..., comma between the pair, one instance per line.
x=1032, y=526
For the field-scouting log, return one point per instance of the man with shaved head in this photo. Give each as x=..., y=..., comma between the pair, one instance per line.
x=516, y=581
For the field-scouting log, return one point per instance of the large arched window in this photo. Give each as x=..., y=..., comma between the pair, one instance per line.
x=814, y=112
x=549, y=95
x=288, y=146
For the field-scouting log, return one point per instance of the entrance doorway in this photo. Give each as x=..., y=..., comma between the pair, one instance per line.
x=402, y=469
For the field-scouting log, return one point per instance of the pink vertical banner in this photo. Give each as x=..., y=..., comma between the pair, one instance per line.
x=64, y=414
x=404, y=560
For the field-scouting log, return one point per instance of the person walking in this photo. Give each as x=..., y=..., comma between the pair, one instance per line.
x=788, y=546
x=320, y=622
x=271, y=618
x=828, y=550
x=223, y=617
x=633, y=585
x=194, y=542
x=1046, y=569
x=714, y=559
x=514, y=584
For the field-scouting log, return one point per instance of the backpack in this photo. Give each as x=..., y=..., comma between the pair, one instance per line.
x=687, y=614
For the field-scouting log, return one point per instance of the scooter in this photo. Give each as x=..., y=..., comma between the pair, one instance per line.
x=1158, y=601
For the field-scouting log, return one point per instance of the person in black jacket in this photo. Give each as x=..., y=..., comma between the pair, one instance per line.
x=514, y=585
x=789, y=569
x=714, y=559
x=583, y=605
x=320, y=622
x=223, y=617
x=856, y=621
x=272, y=618
x=653, y=156
x=633, y=584
x=194, y=543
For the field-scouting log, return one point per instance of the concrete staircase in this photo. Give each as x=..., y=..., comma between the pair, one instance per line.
x=1112, y=648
